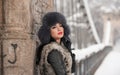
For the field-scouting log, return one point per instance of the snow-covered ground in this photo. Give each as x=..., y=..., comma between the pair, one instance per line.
x=111, y=64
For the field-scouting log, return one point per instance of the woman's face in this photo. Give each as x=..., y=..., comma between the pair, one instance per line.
x=57, y=31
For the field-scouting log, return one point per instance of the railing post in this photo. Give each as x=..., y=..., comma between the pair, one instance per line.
x=107, y=33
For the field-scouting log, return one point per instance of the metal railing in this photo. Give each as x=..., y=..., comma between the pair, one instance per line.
x=89, y=64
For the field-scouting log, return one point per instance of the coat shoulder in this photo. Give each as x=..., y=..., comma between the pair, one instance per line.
x=52, y=45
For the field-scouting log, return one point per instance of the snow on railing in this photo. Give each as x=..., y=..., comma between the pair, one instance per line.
x=88, y=59
x=86, y=52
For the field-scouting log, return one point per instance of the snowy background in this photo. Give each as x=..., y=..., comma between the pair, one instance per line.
x=103, y=7
x=111, y=64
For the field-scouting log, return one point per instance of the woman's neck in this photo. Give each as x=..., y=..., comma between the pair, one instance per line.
x=58, y=41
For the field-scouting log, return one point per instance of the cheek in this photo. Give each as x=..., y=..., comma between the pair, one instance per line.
x=62, y=30
x=53, y=33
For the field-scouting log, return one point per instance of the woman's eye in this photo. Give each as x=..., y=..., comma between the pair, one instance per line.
x=61, y=25
x=53, y=27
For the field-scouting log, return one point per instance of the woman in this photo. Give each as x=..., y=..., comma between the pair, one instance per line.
x=54, y=55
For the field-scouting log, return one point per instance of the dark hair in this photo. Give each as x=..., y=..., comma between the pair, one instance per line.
x=50, y=19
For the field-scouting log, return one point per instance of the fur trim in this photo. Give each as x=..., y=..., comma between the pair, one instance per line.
x=66, y=57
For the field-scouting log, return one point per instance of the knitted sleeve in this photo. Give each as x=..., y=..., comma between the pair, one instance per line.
x=55, y=59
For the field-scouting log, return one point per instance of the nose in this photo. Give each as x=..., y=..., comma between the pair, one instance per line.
x=59, y=28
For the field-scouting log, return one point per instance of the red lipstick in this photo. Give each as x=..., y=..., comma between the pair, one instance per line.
x=60, y=33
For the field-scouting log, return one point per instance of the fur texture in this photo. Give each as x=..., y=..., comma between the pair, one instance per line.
x=66, y=57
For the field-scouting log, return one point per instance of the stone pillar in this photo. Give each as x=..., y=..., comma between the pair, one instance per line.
x=17, y=46
x=1, y=70
x=19, y=21
x=0, y=11
x=38, y=9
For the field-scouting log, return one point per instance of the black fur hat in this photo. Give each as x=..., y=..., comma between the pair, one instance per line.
x=50, y=19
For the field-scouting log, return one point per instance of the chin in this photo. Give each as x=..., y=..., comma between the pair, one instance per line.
x=61, y=36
